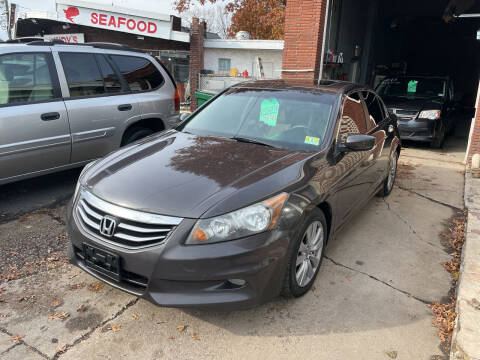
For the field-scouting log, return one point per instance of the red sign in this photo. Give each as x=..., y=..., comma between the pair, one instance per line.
x=114, y=21
x=71, y=12
x=119, y=22
x=68, y=38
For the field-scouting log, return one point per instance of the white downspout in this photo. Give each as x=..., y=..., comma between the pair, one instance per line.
x=322, y=57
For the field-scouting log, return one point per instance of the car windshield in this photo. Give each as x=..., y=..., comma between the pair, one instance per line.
x=412, y=88
x=286, y=119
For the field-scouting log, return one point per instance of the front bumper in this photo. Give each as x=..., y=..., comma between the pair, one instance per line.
x=418, y=129
x=174, y=275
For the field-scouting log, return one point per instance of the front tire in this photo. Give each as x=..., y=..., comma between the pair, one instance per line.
x=392, y=175
x=437, y=142
x=306, y=255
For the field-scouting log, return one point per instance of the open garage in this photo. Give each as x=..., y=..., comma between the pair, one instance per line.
x=405, y=42
x=428, y=44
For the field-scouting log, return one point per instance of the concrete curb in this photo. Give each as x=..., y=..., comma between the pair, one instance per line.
x=466, y=335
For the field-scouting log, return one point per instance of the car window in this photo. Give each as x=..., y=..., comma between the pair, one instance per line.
x=353, y=117
x=375, y=110
x=25, y=78
x=413, y=88
x=82, y=73
x=285, y=119
x=111, y=81
x=140, y=73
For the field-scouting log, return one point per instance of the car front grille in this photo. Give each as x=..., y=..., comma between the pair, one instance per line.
x=132, y=229
x=405, y=115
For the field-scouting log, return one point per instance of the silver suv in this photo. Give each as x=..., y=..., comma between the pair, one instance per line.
x=63, y=105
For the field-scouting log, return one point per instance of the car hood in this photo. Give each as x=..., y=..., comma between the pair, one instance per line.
x=414, y=104
x=184, y=175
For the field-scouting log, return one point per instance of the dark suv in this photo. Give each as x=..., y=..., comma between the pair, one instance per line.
x=423, y=105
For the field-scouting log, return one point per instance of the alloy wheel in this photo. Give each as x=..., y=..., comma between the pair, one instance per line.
x=309, y=253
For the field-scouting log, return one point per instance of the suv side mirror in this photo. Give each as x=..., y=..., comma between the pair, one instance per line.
x=358, y=142
x=458, y=97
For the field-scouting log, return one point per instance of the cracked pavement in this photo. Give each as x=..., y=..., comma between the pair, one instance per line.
x=370, y=297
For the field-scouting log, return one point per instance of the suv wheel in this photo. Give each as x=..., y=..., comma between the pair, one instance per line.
x=135, y=133
x=306, y=256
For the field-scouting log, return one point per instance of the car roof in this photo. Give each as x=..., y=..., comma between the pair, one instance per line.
x=329, y=86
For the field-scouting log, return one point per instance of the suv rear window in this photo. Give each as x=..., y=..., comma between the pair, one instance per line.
x=83, y=75
x=140, y=73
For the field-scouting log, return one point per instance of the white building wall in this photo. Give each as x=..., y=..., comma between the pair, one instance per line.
x=244, y=59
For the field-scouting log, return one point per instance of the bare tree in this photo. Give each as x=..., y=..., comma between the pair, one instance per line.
x=223, y=21
x=217, y=18
x=4, y=17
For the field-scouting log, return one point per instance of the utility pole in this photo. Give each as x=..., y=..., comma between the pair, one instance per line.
x=7, y=15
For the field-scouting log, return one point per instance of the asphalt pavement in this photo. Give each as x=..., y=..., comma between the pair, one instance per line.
x=42, y=192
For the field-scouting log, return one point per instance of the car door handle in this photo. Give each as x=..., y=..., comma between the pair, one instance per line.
x=50, y=116
x=125, y=107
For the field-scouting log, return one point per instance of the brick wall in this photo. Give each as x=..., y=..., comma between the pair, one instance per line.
x=475, y=140
x=304, y=28
x=197, y=36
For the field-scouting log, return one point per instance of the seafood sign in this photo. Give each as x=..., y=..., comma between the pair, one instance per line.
x=114, y=21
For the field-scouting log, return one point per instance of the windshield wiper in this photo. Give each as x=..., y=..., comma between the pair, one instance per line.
x=252, y=141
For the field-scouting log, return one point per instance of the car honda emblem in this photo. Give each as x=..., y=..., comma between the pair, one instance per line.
x=107, y=226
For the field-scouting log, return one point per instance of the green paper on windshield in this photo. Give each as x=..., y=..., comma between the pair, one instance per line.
x=269, y=111
x=412, y=86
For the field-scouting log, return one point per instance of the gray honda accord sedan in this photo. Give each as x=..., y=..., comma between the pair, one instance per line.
x=235, y=205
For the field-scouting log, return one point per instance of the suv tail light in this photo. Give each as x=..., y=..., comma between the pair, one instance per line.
x=176, y=98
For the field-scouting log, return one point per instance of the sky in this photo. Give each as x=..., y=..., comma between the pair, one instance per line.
x=161, y=6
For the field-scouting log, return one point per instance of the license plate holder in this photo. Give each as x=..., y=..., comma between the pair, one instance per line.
x=102, y=261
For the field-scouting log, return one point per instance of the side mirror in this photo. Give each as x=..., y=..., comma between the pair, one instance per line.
x=358, y=142
x=184, y=116
x=457, y=98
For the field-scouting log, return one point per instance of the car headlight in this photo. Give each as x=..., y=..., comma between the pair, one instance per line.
x=80, y=178
x=430, y=114
x=251, y=220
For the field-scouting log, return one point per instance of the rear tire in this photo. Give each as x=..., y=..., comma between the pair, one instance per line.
x=392, y=175
x=437, y=143
x=306, y=255
x=135, y=133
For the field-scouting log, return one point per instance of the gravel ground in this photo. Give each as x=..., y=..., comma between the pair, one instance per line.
x=33, y=243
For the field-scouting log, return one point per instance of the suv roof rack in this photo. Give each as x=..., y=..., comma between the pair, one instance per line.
x=113, y=46
x=98, y=45
x=47, y=43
